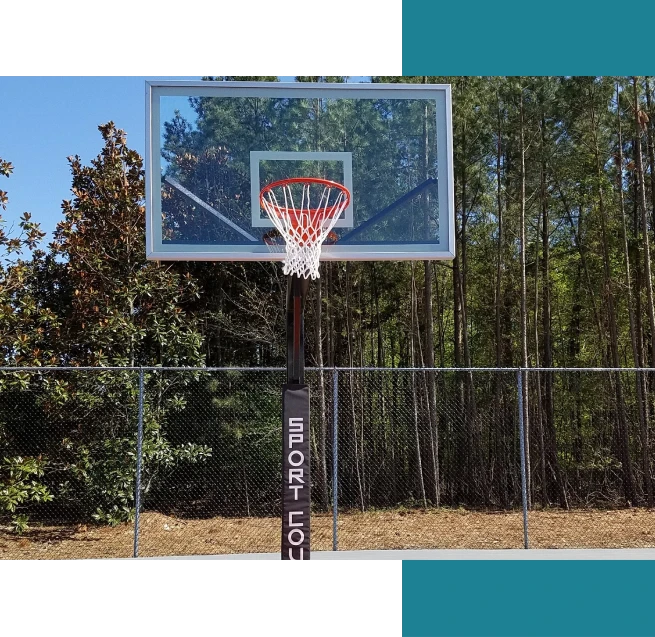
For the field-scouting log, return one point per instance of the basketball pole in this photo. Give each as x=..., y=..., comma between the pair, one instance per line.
x=295, y=431
x=297, y=288
x=304, y=229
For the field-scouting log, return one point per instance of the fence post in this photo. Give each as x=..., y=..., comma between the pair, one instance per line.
x=335, y=458
x=524, y=489
x=139, y=446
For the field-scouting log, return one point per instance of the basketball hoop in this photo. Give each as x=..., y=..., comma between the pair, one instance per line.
x=304, y=229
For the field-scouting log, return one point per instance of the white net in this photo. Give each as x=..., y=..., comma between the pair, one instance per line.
x=304, y=229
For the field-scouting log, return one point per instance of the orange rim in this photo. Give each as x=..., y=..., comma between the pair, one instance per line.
x=312, y=212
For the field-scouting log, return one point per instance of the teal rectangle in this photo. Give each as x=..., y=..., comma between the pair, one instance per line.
x=528, y=598
x=574, y=37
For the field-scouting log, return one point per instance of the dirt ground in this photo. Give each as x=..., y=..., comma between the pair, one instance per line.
x=399, y=529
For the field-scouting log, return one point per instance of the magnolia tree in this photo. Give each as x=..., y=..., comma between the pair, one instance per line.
x=100, y=304
x=24, y=328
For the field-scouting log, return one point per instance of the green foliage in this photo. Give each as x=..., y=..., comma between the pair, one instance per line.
x=118, y=309
x=20, y=484
x=93, y=299
x=27, y=324
x=6, y=168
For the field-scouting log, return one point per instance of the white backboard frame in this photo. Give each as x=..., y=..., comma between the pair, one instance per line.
x=156, y=249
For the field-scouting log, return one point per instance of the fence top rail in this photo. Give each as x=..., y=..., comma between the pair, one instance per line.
x=323, y=369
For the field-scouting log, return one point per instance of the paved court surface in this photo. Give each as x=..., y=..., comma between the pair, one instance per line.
x=451, y=554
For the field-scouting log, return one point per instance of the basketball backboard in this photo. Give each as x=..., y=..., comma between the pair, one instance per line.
x=212, y=146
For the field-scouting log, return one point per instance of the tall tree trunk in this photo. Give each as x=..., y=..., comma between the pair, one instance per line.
x=475, y=465
x=641, y=389
x=424, y=378
x=624, y=434
x=244, y=475
x=574, y=348
x=457, y=309
x=445, y=420
x=428, y=319
x=524, y=297
x=550, y=443
x=329, y=296
x=362, y=420
x=324, y=498
x=651, y=142
x=498, y=303
x=539, y=405
x=431, y=381
x=353, y=411
x=412, y=346
x=647, y=271
x=378, y=320
x=441, y=310
x=459, y=420
x=387, y=432
x=639, y=167
x=393, y=414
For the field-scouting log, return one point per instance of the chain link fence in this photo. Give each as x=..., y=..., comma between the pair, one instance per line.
x=108, y=462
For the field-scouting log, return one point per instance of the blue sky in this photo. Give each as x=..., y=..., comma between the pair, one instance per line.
x=44, y=120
